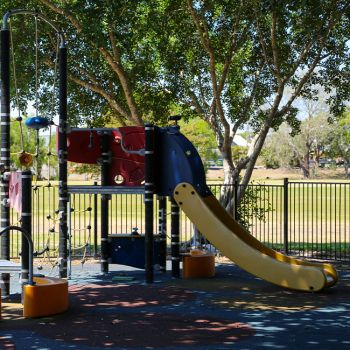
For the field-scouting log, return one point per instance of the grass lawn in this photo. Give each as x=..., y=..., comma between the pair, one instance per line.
x=319, y=213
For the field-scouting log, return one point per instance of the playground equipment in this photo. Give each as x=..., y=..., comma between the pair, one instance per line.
x=128, y=249
x=181, y=175
x=151, y=161
x=198, y=264
x=42, y=296
x=238, y=245
x=121, y=153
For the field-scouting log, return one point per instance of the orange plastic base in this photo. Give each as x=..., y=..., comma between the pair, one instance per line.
x=47, y=297
x=198, y=264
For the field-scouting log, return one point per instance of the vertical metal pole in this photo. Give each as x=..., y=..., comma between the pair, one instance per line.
x=175, y=239
x=104, y=201
x=95, y=222
x=5, y=152
x=62, y=157
x=162, y=222
x=149, y=192
x=235, y=209
x=285, y=214
x=26, y=221
x=69, y=229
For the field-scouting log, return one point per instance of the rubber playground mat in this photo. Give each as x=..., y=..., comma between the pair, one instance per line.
x=231, y=310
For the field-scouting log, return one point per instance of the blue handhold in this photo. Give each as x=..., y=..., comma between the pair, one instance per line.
x=37, y=123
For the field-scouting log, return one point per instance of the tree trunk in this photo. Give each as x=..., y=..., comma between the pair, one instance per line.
x=231, y=173
x=346, y=168
x=305, y=166
x=253, y=154
x=227, y=195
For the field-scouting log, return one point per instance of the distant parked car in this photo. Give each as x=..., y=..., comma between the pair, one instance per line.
x=220, y=162
x=326, y=162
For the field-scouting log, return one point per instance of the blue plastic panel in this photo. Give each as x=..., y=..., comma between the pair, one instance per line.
x=177, y=160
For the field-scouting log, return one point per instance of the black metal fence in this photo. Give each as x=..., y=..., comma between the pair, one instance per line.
x=306, y=219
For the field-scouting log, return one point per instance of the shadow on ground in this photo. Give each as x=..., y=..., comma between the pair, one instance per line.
x=232, y=309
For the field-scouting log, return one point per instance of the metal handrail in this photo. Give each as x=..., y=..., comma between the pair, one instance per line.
x=30, y=247
x=9, y=13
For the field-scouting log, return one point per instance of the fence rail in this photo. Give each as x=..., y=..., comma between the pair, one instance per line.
x=305, y=219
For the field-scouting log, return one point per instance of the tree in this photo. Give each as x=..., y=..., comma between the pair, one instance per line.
x=277, y=152
x=202, y=137
x=283, y=148
x=339, y=142
x=114, y=68
x=230, y=62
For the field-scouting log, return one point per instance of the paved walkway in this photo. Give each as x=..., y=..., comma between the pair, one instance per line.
x=232, y=310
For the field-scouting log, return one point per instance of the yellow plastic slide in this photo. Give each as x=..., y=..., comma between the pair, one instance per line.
x=236, y=243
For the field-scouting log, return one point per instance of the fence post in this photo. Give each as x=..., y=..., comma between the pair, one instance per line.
x=162, y=223
x=95, y=222
x=235, y=209
x=175, y=239
x=285, y=215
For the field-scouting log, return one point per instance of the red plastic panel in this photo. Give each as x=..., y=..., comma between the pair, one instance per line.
x=84, y=146
x=130, y=166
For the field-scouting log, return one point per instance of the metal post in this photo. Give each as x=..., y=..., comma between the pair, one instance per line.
x=175, y=239
x=95, y=222
x=26, y=221
x=104, y=201
x=69, y=233
x=149, y=193
x=62, y=156
x=235, y=209
x=285, y=215
x=162, y=222
x=5, y=153
x=30, y=249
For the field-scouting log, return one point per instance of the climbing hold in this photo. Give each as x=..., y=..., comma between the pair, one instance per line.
x=25, y=159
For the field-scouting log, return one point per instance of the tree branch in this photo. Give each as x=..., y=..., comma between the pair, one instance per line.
x=124, y=81
x=274, y=45
x=205, y=39
x=263, y=45
x=65, y=13
x=247, y=104
x=231, y=51
x=114, y=64
x=202, y=92
x=113, y=40
x=195, y=103
x=301, y=83
x=99, y=90
x=203, y=34
x=308, y=46
x=301, y=58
